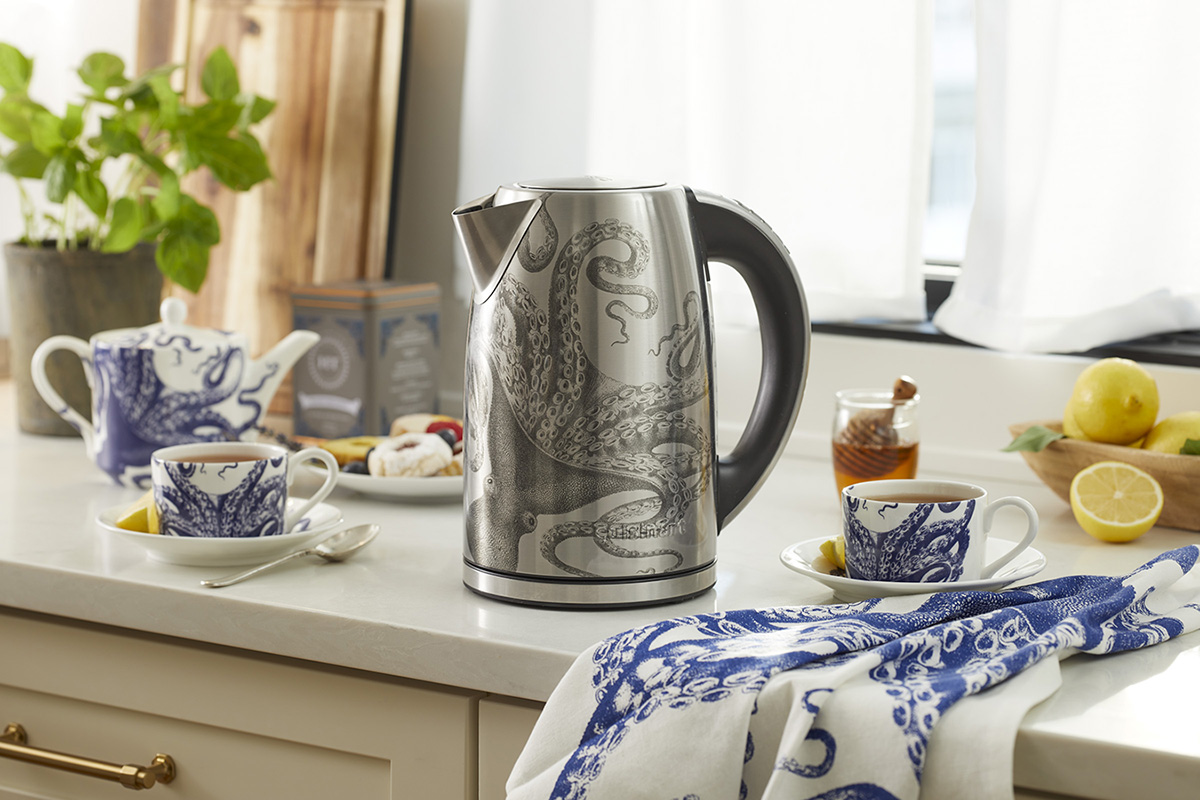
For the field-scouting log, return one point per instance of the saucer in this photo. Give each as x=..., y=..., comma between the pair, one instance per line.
x=806, y=558
x=226, y=552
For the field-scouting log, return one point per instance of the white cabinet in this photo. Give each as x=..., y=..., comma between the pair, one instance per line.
x=238, y=725
x=504, y=727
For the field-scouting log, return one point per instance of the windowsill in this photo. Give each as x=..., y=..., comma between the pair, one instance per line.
x=1180, y=349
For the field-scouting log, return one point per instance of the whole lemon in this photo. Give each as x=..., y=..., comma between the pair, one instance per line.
x=1115, y=400
x=1170, y=435
x=1071, y=428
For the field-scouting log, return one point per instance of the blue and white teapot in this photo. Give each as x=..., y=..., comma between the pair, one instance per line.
x=165, y=384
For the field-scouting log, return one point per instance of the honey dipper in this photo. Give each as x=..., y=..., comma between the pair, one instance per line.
x=870, y=431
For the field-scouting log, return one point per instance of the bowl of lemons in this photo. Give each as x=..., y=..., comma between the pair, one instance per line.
x=1120, y=467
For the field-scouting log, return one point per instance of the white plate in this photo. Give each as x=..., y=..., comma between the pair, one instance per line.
x=806, y=558
x=226, y=552
x=435, y=487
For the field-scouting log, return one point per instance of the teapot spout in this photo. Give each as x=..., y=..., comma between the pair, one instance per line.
x=266, y=372
x=490, y=234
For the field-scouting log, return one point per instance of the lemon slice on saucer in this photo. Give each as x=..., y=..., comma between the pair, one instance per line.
x=141, y=516
x=835, y=550
x=1114, y=501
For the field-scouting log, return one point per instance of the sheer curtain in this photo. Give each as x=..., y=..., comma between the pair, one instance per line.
x=1086, y=226
x=814, y=114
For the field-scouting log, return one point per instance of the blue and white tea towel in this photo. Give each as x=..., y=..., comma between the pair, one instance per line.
x=837, y=702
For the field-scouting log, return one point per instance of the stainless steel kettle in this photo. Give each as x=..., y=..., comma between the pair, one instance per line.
x=592, y=477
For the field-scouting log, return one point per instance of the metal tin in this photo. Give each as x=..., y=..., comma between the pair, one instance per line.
x=377, y=358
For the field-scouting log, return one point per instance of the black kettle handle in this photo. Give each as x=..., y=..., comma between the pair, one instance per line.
x=734, y=235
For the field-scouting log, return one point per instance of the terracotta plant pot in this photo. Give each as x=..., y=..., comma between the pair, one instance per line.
x=74, y=292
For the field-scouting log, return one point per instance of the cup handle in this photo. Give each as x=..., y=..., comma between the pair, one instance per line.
x=53, y=399
x=331, y=468
x=1030, y=532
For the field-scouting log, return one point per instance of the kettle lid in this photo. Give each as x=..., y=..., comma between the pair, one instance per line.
x=173, y=327
x=587, y=183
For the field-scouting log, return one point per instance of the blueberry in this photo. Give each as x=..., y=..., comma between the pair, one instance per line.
x=448, y=435
x=356, y=468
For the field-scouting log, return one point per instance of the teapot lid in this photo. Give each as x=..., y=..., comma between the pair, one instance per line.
x=173, y=327
x=587, y=183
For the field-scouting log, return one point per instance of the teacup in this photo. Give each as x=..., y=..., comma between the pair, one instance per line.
x=924, y=531
x=231, y=489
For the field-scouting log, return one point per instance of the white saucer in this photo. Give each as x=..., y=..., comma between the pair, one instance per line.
x=806, y=558
x=225, y=552
x=435, y=487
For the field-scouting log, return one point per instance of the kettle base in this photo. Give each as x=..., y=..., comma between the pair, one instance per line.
x=593, y=594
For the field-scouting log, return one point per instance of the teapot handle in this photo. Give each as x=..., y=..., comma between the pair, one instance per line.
x=734, y=235
x=53, y=399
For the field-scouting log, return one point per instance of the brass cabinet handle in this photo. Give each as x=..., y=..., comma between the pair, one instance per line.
x=13, y=745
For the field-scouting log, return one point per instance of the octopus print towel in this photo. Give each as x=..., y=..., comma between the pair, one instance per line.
x=841, y=701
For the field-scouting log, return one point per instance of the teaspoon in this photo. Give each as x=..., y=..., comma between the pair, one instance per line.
x=338, y=547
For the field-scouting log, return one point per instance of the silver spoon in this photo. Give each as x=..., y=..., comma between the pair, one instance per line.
x=338, y=547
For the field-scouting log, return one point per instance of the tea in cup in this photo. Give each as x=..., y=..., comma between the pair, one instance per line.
x=924, y=531
x=231, y=489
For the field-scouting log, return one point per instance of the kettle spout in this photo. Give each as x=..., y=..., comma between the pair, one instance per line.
x=490, y=234
x=267, y=372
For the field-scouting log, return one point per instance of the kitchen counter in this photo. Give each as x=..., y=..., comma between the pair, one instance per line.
x=400, y=609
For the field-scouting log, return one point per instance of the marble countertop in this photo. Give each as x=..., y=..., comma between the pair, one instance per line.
x=400, y=607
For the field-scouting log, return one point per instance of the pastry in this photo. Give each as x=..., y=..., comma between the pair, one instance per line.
x=353, y=448
x=409, y=455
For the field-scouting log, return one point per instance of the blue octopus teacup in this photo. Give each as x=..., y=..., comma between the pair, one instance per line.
x=924, y=531
x=231, y=489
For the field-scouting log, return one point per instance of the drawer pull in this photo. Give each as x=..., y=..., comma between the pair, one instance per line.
x=13, y=745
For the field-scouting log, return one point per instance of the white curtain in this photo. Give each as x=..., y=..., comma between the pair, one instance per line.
x=815, y=114
x=1086, y=226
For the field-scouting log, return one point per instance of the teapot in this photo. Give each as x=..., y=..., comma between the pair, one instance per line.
x=592, y=477
x=165, y=384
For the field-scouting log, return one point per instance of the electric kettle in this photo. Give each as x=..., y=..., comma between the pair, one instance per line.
x=592, y=477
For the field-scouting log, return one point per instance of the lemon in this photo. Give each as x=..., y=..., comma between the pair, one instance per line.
x=1172, y=433
x=835, y=550
x=141, y=516
x=1071, y=428
x=1114, y=501
x=1115, y=400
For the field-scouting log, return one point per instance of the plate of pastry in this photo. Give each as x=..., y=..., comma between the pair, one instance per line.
x=421, y=459
x=807, y=559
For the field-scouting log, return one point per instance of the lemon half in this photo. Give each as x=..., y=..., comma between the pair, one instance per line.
x=1114, y=501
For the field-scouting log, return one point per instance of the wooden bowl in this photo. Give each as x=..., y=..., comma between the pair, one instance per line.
x=1178, y=475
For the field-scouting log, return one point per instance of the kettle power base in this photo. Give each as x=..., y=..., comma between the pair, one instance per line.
x=592, y=593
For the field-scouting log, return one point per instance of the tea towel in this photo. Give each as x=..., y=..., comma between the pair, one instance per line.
x=837, y=702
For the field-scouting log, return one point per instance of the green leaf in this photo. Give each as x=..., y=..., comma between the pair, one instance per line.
x=214, y=118
x=15, y=113
x=101, y=71
x=168, y=101
x=72, y=124
x=237, y=163
x=15, y=69
x=115, y=139
x=219, y=80
x=198, y=220
x=60, y=176
x=1033, y=440
x=1191, y=447
x=126, y=227
x=254, y=109
x=166, y=202
x=183, y=258
x=26, y=162
x=92, y=192
x=46, y=132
